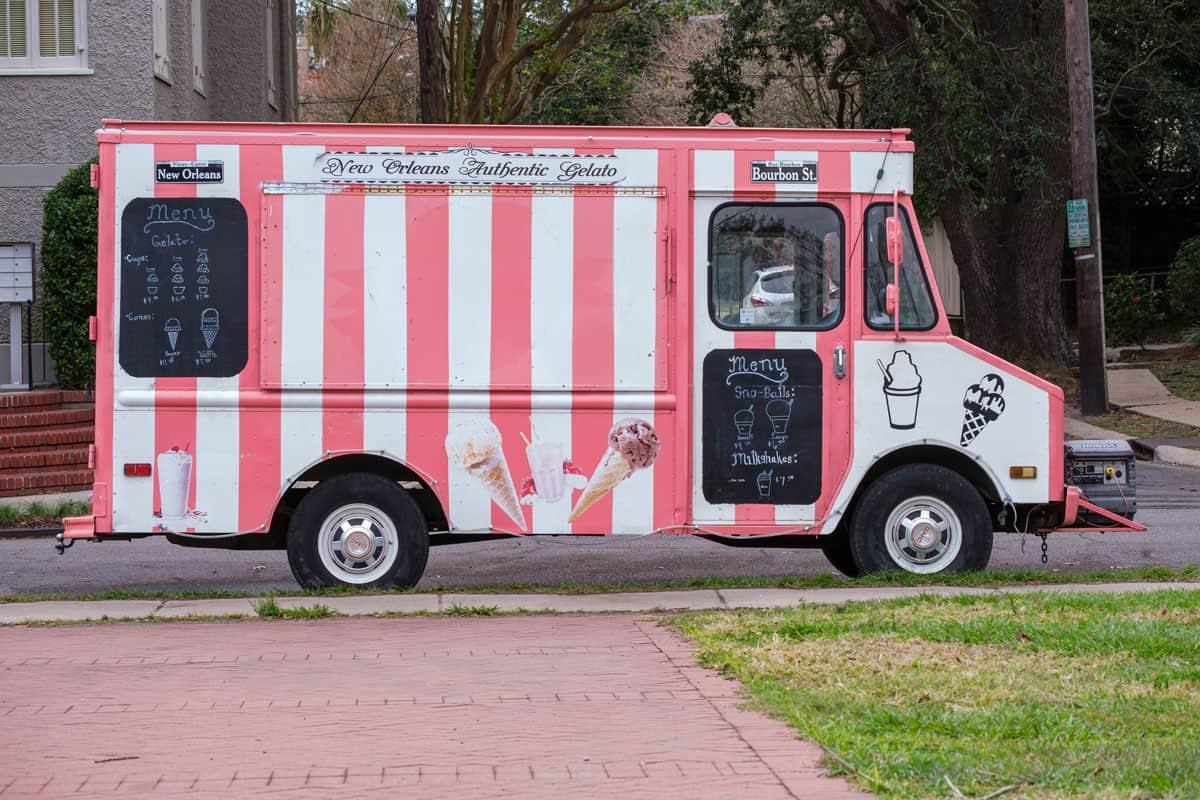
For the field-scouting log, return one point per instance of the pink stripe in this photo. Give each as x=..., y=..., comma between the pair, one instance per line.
x=428, y=256
x=743, y=189
x=512, y=232
x=592, y=339
x=259, y=422
x=344, y=320
x=105, y=327
x=175, y=427
x=837, y=396
x=673, y=448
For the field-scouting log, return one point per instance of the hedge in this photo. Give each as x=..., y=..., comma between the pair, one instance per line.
x=68, y=277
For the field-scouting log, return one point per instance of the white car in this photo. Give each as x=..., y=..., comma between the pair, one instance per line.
x=770, y=300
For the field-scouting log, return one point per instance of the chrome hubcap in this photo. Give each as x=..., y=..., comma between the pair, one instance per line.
x=358, y=543
x=923, y=535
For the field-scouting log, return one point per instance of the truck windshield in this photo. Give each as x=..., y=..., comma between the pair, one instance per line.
x=917, y=310
x=775, y=265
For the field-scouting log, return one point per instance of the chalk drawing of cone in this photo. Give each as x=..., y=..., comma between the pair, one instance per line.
x=172, y=328
x=210, y=325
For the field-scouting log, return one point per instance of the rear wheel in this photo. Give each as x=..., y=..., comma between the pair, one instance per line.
x=921, y=518
x=357, y=530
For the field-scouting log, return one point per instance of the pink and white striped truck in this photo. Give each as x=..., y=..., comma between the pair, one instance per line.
x=353, y=341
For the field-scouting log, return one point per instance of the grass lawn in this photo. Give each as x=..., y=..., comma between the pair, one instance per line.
x=1139, y=426
x=1058, y=696
x=41, y=515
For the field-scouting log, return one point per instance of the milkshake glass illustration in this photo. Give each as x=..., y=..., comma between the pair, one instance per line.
x=744, y=422
x=764, y=482
x=174, y=481
x=780, y=413
x=546, y=464
x=902, y=389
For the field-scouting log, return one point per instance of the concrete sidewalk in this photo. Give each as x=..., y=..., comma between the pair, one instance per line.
x=449, y=602
x=530, y=707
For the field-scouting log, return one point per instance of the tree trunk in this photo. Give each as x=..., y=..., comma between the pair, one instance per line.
x=430, y=64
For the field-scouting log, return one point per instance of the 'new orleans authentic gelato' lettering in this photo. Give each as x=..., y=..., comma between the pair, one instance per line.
x=471, y=165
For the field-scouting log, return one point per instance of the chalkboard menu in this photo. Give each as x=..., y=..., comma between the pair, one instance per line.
x=762, y=427
x=184, y=299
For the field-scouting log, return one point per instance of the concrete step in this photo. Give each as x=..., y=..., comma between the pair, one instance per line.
x=44, y=417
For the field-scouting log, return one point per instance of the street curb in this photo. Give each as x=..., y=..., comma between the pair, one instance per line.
x=455, y=604
x=1179, y=456
x=29, y=533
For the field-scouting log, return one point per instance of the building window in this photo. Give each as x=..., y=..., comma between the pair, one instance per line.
x=162, y=42
x=272, y=56
x=199, y=47
x=43, y=36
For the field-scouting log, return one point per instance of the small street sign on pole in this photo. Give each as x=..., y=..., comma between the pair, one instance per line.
x=1079, y=231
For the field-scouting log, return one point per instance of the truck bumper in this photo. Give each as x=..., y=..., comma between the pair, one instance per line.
x=1075, y=502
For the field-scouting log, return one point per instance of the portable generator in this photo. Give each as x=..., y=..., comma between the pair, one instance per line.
x=1104, y=470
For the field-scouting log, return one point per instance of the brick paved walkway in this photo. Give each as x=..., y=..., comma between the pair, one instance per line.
x=595, y=706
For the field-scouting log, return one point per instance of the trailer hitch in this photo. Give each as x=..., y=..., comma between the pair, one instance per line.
x=62, y=543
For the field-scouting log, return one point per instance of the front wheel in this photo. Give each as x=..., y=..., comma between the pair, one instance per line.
x=357, y=530
x=921, y=518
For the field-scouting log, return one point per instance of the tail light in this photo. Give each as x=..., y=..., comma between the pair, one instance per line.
x=755, y=300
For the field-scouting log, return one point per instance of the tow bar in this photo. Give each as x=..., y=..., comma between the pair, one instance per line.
x=61, y=543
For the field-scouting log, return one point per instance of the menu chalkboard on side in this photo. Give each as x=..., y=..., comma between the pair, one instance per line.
x=184, y=300
x=762, y=427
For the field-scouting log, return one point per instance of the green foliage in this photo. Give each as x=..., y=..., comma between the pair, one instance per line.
x=1130, y=309
x=268, y=608
x=68, y=276
x=1183, y=284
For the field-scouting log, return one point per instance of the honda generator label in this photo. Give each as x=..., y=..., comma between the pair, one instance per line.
x=189, y=172
x=783, y=171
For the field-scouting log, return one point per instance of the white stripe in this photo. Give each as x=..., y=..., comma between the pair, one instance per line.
x=799, y=156
x=385, y=317
x=635, y=263
x=133, y=431
x=551, y=318
x=714, y=171
x=470, y=320
x=303, y=310
x=897, y=172
x=217, y=444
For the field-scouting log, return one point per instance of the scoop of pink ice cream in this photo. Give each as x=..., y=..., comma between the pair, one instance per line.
x=636, y=440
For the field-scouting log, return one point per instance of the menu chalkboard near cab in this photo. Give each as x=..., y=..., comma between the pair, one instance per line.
x=762, y=427
x=184, y=300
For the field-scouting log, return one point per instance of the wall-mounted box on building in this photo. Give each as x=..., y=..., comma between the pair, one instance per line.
x=16, y=273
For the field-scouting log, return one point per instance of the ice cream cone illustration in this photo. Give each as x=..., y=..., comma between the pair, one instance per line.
x=901, y=390
x=474, y=447
x=780, y=413
x=983, y=402
x=632, y=445
x=743, y=420
x=210, y=325
x=172, y=328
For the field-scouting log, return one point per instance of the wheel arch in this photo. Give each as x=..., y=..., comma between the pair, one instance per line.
x=419, y=485
x=969, y=465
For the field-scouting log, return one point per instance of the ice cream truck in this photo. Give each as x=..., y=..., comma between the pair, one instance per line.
x=354, y=342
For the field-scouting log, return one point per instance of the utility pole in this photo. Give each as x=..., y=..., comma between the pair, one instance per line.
x=431, y=68
x=1089, y=277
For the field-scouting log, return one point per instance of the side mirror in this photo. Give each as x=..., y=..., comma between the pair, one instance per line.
x=892, y=300
x=895, y=242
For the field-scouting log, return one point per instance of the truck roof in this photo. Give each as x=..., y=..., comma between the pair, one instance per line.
x=894, y=139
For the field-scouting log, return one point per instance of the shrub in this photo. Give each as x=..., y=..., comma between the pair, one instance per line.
x=1130, y=309
x=69, y=276
x=1183, y=282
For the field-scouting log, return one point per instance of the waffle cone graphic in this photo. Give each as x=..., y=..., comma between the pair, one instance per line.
x=494, y=474
x=973, y=424
x=612, y=469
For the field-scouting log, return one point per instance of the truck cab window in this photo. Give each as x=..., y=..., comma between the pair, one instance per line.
x=917, y=311
x=775, y=266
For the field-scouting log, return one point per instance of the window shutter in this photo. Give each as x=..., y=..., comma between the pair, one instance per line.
x=56, y=28
x=162, y=57
x=199, y=47
x=12, y=29
x=272, y=60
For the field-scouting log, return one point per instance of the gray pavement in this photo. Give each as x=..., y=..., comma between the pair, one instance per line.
x=1168, y=501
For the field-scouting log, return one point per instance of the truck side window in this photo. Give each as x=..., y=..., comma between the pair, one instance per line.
x=775, y=266
x=917, y=311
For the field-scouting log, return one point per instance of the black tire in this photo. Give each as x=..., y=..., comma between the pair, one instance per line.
x=929, y=497
x=368, y=504
x=836, y=547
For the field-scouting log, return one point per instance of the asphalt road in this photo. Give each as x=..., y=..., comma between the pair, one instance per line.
x=1168, y=502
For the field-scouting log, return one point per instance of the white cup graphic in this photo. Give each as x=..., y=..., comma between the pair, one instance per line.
x=546, y=466
x=902, y=406
x=174, y=480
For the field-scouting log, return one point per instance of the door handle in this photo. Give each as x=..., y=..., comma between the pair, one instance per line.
x=839, y=362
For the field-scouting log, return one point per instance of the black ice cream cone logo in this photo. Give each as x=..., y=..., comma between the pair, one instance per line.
x=983, y=402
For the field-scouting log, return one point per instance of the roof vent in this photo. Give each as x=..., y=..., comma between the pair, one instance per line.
x=722, y=120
